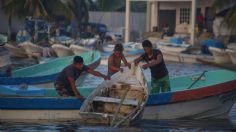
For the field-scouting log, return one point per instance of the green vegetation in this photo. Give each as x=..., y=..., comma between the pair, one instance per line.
x=230, y=16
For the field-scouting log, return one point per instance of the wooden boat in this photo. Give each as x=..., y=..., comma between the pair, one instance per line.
x=61, y=50
x=31, y=49
x=119, y=100
x=232, y=55
x=15, y=51
x=204, y=95
x=43, y=75
x=220, y=55
x=76, y=49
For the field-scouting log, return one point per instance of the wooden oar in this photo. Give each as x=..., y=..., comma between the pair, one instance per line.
x=204, y=61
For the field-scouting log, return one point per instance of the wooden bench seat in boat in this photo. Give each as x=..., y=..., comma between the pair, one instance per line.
x=115, y=100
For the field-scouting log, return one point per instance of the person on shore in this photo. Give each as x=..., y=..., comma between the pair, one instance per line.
x=159, y=73
x=200, y=22
x=114, y=61
x=65, y=82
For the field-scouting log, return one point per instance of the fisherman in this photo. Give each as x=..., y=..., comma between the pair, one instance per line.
x=159, y=73
x=114, y=61
x=65, y=82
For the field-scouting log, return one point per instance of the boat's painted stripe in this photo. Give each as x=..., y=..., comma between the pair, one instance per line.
x=40, y=103
x=32, y=103
x=38, y=79
x=158, y=99
x=203, y=92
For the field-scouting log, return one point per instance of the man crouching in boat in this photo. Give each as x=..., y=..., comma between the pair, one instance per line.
x=65, y=82
x=159, y=73
x=114, y=61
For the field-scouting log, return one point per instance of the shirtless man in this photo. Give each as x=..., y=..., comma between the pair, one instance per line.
x=114, y=61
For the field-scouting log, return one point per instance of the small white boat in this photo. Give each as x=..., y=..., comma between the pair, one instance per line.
x=170, y=56
x=120, y=100
x=220, y=55
x=88, y=42
x=232, y=54
x=172, y=47
x=31, y=49
x=76, y=49
x=15, y=51
x=232, y=46
x=192, y=58
x=61, y=50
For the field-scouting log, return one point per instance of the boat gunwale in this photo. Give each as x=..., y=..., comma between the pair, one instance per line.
x=42, y=78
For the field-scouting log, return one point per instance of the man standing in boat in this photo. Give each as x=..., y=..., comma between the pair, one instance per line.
x=159, y=73
x=65, y=82
x=114, y=61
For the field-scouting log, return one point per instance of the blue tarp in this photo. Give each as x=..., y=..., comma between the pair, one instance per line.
x=176, y=40
x=211, y=43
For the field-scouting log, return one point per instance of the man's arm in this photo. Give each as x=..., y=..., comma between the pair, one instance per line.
x=72, y=84
x=98, y=74
x=137, y=60
x=153, y=62
x=125, y=61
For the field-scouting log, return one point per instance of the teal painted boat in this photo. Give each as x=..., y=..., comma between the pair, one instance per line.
x=207, y=95
x=43, y=75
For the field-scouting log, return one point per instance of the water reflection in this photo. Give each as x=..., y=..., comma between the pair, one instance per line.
x=211, y=125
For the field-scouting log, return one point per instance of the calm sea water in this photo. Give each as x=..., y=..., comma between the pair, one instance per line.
x=175, y=69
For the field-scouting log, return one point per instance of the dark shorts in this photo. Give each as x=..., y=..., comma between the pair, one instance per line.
x=62, y=90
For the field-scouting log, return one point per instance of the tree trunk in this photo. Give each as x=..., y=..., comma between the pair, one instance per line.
x=9, y=27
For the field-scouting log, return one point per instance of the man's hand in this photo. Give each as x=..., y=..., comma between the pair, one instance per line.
x=145, y=66
x=136, y=62
x=129, y=65
x=107, y=77
x=79, y=97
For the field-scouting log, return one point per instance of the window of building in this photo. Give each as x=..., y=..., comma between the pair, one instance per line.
x=184, y=15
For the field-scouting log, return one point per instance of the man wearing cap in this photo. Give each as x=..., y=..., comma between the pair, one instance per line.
x=65, y=82
x=114, y=61
x=159, y=73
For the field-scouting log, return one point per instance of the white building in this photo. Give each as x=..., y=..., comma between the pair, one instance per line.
x=173, y=12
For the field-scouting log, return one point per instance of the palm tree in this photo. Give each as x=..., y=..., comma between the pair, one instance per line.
x=110, y=5
x=230, y=16
x=35, y=8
